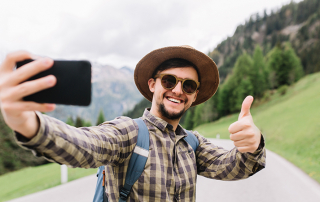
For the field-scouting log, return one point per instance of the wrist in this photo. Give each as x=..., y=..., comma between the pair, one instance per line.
x=30, y=127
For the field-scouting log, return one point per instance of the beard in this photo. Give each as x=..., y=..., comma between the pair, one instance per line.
x=171, y=116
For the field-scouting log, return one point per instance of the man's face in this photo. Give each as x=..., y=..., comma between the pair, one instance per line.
x=171, y=104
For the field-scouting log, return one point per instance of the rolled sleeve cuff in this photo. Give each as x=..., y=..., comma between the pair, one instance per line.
x=257, y=159
x=37, y=140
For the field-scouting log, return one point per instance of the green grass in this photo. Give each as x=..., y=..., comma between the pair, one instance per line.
x=34, y=179
x=289, y=123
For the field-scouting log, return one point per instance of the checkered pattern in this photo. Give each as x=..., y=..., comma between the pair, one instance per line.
x=171, y=170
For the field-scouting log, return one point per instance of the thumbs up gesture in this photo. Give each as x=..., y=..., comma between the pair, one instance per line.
x=244, y=134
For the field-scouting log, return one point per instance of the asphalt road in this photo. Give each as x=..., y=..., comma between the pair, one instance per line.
x=279, y=181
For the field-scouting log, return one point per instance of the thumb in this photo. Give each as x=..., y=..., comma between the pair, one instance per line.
x=246, y=105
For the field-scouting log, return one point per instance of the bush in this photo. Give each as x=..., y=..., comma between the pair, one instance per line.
x=267, y=95
x=283, y=89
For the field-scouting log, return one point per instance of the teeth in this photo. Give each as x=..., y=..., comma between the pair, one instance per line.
x=174, y=100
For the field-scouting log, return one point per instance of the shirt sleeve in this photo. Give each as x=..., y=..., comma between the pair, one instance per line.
x=218, y=163
x=87, y=147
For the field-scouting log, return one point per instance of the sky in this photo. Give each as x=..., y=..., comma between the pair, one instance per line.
x=120, y=32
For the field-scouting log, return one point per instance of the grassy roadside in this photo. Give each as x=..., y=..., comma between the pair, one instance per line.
x=34, y=179
x=290, y=124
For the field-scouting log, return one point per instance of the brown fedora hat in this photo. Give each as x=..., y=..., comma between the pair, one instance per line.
x=209, y=75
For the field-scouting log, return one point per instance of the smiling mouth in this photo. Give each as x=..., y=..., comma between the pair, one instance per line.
x=174, y=100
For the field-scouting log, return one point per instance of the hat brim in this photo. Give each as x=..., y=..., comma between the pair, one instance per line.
x=207, y=69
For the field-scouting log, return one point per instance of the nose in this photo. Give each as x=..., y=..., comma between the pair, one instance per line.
x=178, y=89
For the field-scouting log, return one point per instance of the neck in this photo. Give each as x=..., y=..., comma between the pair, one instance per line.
x=173, y=122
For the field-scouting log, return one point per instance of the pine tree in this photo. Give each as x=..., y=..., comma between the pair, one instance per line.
x=274, y=66
x=293, y=61
x=284, y=65
x=100, y=118
x=70, y=121
x=188, y=121
x=210, y=110
x=223, y=105
x=241, y=82
x=197, y=118
x=79, y=122
x=259, y=74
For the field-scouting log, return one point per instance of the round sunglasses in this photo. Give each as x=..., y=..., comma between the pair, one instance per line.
x=169, y=81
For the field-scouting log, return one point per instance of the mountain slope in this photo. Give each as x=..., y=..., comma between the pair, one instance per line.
x=297, y=23
x=113, y=91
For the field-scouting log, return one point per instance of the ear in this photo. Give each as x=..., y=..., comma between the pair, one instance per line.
x=151, y=84
x=195, y=96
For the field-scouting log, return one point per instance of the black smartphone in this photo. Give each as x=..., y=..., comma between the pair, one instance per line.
x=73, y=85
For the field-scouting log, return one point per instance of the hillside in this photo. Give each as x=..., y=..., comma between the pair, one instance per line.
x=289, y=123
x=297, y=23
x=13, y=157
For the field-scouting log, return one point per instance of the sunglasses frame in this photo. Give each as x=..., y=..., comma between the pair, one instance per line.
x=177, y=81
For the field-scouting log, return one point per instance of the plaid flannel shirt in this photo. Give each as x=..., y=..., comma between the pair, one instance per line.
x=171, y=170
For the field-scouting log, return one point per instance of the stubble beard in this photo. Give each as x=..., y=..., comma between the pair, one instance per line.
x=170, y=116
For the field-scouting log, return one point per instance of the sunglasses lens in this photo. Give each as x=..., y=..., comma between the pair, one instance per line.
x=168, y=81
x=189, y=86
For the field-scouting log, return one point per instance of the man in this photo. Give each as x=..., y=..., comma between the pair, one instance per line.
x=173, y=79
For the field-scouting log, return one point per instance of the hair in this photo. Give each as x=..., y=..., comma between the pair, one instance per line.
x=175, y=63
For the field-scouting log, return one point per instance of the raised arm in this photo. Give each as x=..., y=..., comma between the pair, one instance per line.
x=112, y=142
x=248, y=156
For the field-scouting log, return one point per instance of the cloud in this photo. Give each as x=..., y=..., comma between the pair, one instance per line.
x=119, y=32
x=130, y=31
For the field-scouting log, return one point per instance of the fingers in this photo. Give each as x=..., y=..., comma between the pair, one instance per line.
x=15, y=111
x=27, y=88
x=10, y=61
x=246, y=105
x=240, y=125
x=11, y=86
x=245, y=142
x=244, y=136
x=245, y=146
x=237, y=136
x=28, y=106
x=29, y=70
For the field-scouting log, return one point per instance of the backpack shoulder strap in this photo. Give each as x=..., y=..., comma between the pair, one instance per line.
x=192, y=140
x=138, y=160
x=99, y=195
x=135, y=168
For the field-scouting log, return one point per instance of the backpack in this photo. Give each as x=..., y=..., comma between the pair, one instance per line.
x=136, y=165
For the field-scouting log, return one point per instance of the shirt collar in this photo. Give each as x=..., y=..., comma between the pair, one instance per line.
x=161, y=124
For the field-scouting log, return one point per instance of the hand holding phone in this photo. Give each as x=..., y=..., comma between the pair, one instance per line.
x=20, y=116
x=73, y=85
